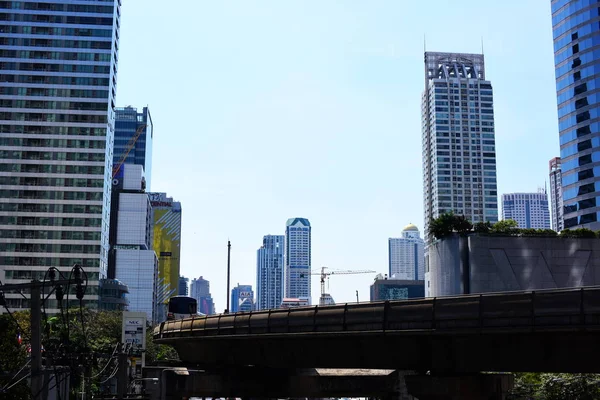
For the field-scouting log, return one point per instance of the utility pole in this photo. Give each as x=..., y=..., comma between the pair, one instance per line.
x=37, y=378
x=357, y=296
x=35, y=287
x=228, y=274
x=122, y=381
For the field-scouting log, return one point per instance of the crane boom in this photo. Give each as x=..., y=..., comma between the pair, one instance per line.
x=128, y=149
x=325, y=274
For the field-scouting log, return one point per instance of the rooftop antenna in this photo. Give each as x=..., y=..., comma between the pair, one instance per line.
x=424, y=43
x=482, y=53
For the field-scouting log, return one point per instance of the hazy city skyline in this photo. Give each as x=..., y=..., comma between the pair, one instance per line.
x=334, y=90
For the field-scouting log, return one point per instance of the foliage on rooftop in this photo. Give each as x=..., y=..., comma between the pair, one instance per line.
x=448, y=224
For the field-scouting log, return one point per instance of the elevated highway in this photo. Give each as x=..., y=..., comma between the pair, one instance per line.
x=548, y=330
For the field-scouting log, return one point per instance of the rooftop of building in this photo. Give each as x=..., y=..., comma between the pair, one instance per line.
x=295, y=221
x=410, y=227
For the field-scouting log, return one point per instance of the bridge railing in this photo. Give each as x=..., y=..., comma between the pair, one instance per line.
x=535, y=310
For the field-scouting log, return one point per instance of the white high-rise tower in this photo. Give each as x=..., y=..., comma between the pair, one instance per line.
x=459, y=149
x=297, y=258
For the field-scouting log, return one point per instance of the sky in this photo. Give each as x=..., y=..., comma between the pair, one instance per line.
x=267, y=110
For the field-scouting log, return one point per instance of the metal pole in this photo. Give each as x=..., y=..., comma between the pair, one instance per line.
x=37, y=379
x=228, y=274
x=357, y=296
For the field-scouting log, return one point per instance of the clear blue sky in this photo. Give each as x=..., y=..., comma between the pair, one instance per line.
x=266, y=110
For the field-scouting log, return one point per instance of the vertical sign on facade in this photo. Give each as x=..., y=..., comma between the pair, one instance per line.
x=134, y=334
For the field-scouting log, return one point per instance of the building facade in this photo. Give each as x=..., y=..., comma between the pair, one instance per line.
x=297, y=258
x=127, y=122
x=183, y=286
x=406, y=255
x=131, y=258
x=166, y=243
x=530, y=210
x=576, y=34
x=269, y=272
x=200, y=290
x=384, y=288
x=113, y=295
x=242, y=298
x=556, y=200
x=58, y=74
x=459, y=149
x=484, y=264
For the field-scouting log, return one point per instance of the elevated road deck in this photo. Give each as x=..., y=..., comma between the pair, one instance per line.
x=550, y=330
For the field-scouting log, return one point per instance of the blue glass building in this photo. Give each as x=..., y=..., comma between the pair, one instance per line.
x=127, y=121
x=269, y=272
x=576, y=32
x=242, y=298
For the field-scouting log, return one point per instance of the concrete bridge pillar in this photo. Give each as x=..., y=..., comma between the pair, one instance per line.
x=463, y=387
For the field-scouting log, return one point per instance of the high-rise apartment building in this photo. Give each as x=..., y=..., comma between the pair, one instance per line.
x=131, y=258
x=407, y=255
x=269, y=272
x=183, y=286
x=576, y=34
x=200, y=290
x=166, y=243
x=556, y=201
x=242, y=298
x=127, y=122
x=58, y=74
x=530, y=210
x=297, y=258
x=459, y=150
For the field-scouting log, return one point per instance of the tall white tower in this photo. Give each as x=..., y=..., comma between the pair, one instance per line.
x=406, y=255
x=297, y=258
x=459, y=148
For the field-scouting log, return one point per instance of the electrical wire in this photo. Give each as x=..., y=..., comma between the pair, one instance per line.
x=17, y=374
x=112, y=374
x=112, y=357
x=15, y=384
x=45, y=386
x=3, y=302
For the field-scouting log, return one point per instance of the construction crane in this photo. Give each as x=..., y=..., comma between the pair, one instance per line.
x=326, y=274
x=130, y=146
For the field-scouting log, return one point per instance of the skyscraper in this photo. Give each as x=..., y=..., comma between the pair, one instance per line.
x=269, y=272
x=530, y=210
x=167, y=242
x=58, y=76
x=556, y=194
x=127, y=121
x=131, y=259
x=297, y=258
x=242, y=298
x=576, y=33
x=200, y=290
x=407, y=255
x=183, y=286
x=459, y=151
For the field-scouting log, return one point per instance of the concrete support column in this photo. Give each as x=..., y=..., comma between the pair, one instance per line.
x=469, y=387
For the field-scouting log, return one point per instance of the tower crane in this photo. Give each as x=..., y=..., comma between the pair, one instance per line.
x=128, y=149
x=324, y=273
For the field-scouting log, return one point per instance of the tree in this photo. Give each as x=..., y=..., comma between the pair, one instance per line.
x=506, y=227
x=447, y=223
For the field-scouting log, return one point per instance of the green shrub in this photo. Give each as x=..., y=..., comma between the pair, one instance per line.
x=578, y=233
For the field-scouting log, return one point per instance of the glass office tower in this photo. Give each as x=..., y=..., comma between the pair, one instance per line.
x=58, y=73
x=576, y=32
x=127, y=121
x=269, y=272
